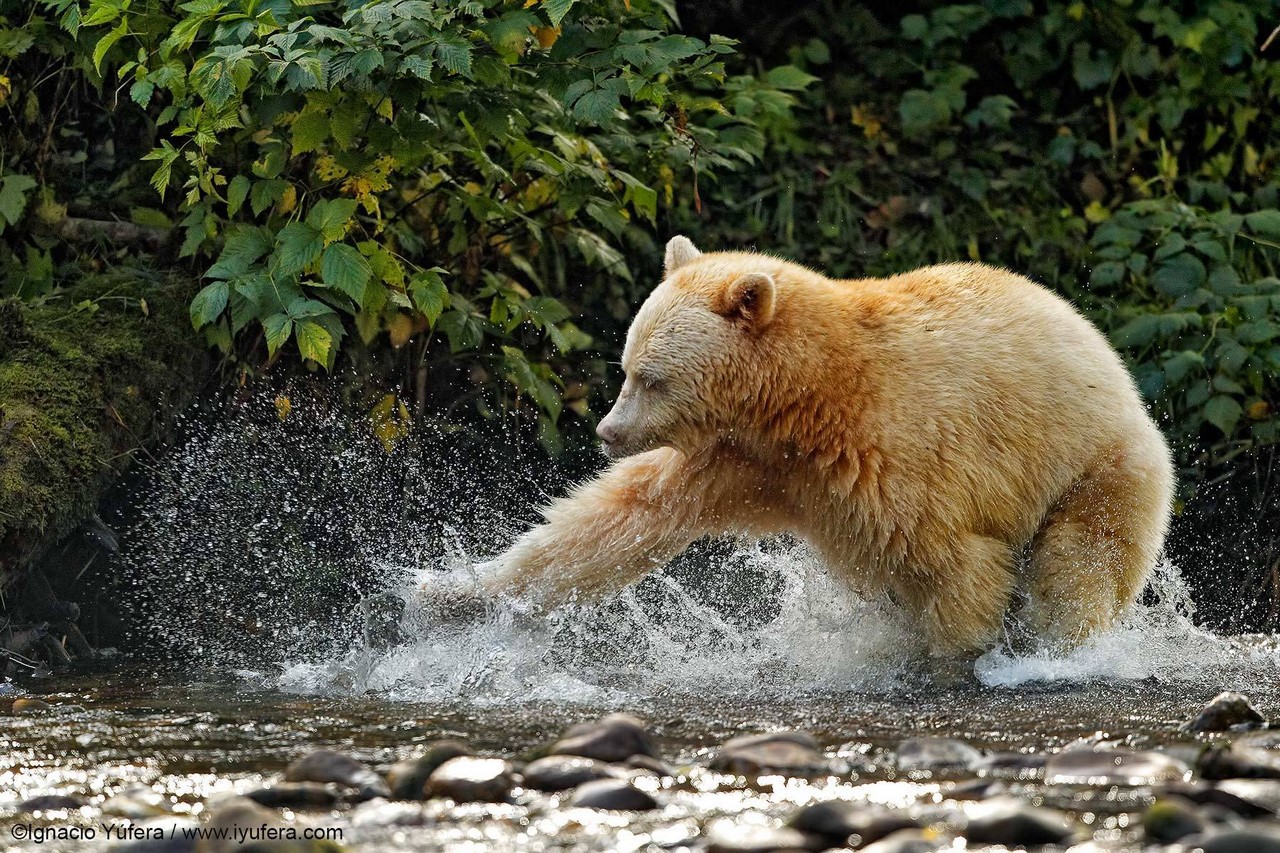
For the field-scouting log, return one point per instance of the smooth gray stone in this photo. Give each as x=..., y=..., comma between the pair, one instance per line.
x=612, y=795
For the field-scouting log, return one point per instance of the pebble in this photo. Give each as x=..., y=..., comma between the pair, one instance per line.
x=1013, y=823
x=840, y=820
x=1171, y=819
x=50, y=803
x=467, y=779
x=1215, y=795
x=233, y=813
x=408, y=778
x=295, y=795
x=725, y=837
x=1248, y=840
x=647, y=762
x=562, y=772
x=1017, y=765
x=617, y=737
x=907, y=841
x=937, y=753
x=325, y=765
x=773, y=753
x=1264, y=794
x=1250, y=757
x=1227, y=710
x=613, y=795
x=137, y=802
x=1113, y=767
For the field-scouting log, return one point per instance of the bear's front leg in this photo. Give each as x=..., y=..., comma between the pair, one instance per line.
x=609, y=532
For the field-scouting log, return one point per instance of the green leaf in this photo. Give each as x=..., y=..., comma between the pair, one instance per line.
x=454, y=53
x=1223, y=412
x=242, y=250
x=345, y=269
x=237, y=192
x=107, y=41
x=789, y=78
x=314, y=341
x=555, y=10
x=1264, y=222
x=277, y=329
x=298, y=246
x=208, y=304
x=597, y=106
x=13, y=198
x=463, y=330
x=1137, y=332
x=331, y=217
x=310, y=131
x=1179, y=275
x=429, y=294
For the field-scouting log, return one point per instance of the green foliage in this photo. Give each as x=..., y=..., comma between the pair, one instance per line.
x=1121, y=152
x=453, y=178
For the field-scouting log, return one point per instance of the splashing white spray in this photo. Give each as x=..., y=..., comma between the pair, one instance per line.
x=299, y=549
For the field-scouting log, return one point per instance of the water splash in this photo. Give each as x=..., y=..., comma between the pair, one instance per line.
x=301, y=550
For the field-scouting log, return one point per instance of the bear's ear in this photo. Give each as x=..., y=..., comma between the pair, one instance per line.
x=680, y=250
x=749, y=300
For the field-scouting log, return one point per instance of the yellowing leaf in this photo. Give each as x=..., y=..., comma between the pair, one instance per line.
x=288, y=199
x=400, y=329
x=546, y=36
x=391, y=421
x=283, y=406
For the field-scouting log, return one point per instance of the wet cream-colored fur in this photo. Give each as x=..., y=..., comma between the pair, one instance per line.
x=920, y=432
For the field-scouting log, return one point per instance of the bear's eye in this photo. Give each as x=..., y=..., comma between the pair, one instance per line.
x=649, y=381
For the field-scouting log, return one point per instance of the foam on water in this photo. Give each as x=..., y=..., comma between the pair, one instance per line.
x=300, y=550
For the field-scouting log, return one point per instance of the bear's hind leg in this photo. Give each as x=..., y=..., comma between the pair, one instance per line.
x=1096, y=549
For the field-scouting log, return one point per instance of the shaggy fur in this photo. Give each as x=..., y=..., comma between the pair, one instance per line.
x=918, y=431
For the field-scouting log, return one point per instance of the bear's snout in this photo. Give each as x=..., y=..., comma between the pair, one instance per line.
x=608, y=432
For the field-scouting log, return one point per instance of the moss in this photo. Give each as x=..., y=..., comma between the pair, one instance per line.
x=86, y=380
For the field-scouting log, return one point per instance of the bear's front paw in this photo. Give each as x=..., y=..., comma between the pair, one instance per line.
x=449, y=599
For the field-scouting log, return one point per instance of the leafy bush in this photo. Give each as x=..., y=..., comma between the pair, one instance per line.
x=457, y=177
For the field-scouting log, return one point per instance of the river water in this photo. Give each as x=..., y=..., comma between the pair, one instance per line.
x=273, y=581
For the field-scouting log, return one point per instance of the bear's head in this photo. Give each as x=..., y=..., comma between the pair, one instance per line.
x=693, y=352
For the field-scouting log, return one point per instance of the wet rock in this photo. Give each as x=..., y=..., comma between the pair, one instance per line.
x=325, y=765
x=50, y=803
x=653, y=765
x=617, y=737
x=1170, y=819
x=937, y=753
x=1016, y=765
x=562, y=772
x=296, y=795
x=725, y=837
x=612, y=794
x=408, y=778
x=974, y=790
x=1013, y=823
x=467, y=779
x=1227, y=710
x=906, y=841
x=228, y=815
x=380, y=812
x=1250, y=757
x=1113, y=767
x=773, y=753
x=137, y=802
x=1257, y=839
x=30, y=706
x=840, y=820
x=1264, y=794
x=1212, y=795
